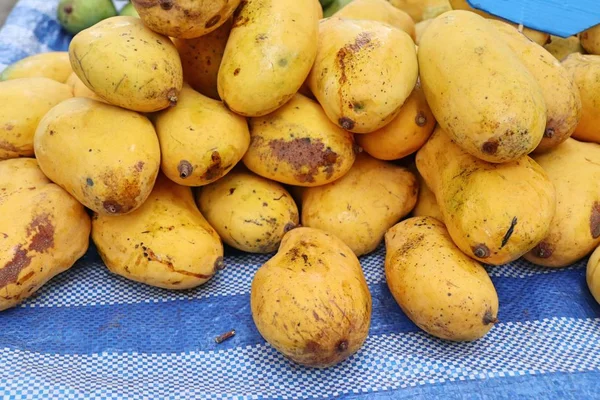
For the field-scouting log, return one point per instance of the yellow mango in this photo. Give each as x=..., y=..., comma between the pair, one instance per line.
x=53, y=65
x=560, y=48
x=585, y=71
x=420, y=28
x=249, y=212
x=444, y=292
x=186, y=19
x=127, y=64
x=201, y=58
x=43, y=230
x=23, y=103
x=80, y=90
x=427, y=205
x=311, y=301
x=104, y=156
x=355, y=94
x=590, y=40
x=165, y=243
x=479, y=90
x=407, y=132
x=299, y=145
x=538, y=37
x=495, y=213
x=362, y=205
x=378, y=10
x=561, y=95
x=574, y=232
x=200, y=139
x=593, y=274
x=420, y=10
x=271, y=48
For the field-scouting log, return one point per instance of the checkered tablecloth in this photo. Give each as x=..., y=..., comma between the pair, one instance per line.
x=89, y=334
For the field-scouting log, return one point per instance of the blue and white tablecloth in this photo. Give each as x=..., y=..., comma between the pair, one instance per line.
x=91, y=335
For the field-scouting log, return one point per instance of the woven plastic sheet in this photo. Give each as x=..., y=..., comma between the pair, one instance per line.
x=89, y=334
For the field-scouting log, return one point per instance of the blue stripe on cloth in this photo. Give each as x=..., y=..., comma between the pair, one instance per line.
x=386, y=362
x=46, y=30
x=10, y=54
x=191, y=325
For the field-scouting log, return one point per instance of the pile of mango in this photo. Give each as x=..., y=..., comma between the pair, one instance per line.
x=264, y=126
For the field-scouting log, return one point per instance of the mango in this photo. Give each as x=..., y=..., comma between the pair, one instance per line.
x=250, y=213
x=201, y=59
x=439, y=288
x=80, y=90
x=378, y=10
x=427, y=205
x=495, y=213
x=590, y=40
x=23, y=103
x=43, y=230
x=479, y=90
x=593, y=274
x=298, y=145
x=311, y=301
x=354, y=94
x=362, y=205
x=574, y=171
x=165, y=243
x=420, y=10
x=561, y=95
x=585, y=71
x=560, y=48
x=127, y=64
x=270, y=51
x=405, y=134
x=104, y=156
x=53, y=65
x=185, y=19
x=420, y=28
x=76, y=15
x=200, y=139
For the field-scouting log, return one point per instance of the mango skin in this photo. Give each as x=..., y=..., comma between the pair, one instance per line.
x=127, y=64
x=585, y=71
x=439, y=288
x=53, y=65
x=43, y=229
x=538, y=37
x=298, y=145
x=104, y=156
x=311, y=301
x=270, y=51
x=378, y=10
x=186, y=19
x=575, y=230
x=421, y=10
x=495, y=213
x=593, y=274
x=590, y=40
x=560, y=48
x=250, y=213
x=200, y=139
x=356, y=96
x=499, y=121
x=23, y=103
x=427, y=205
x=363, y=204
x=405, y=134
x=561, y=95
x=420, y=29
x=80, y=90
x=165, y=243
x=201, y=58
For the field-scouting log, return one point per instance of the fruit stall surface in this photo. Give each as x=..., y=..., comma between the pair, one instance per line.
x=92, y=332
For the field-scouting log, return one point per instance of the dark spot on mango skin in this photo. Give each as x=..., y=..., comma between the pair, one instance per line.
x=346, y=123
x=481, y=251
x=10, y=272
x=490, y=147
x=489, y=318
x=305, y=153
x=543, y=250
x=236, y=72
x=421, y=119
x=549, y=133
x=219, y=264
x=41, y=231
x=139, y=166
x=288, y=227
x=595, y=220
x=215, y=169
x=89, y=182
x=9, y=127
x=166, y=4
x=213, y=21
x=342, y=346
x=112, y=207
x=238, y=18
x=4, y=145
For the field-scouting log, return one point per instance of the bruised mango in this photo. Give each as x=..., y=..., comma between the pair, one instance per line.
x=299, y=145
x=311, y=301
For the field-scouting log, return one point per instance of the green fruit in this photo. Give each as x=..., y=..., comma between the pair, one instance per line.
x=325, y=3
x=129, y=11
x=77, y=15
x=334, y=7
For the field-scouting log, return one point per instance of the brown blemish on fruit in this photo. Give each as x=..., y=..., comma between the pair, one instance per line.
x=139, y=166
x=213, y=21
x=305, y=154
x=595, y=220
x=549, y=133
x=9, y=127
x=215, y=169
x=11, y=270
x=420, y=119
x=68, y=9
x=172, y=97
x=185, y=169
x=112, y=207
x=166, y=4
x=312, y=347
x=236, y=72
x=342, y=346
x=543, y=250
x=316, y=316
x=490, y=147
x=509, y=232
x=238, y=19
x=41, y=231
x=489, y=318
x=4, y=145
x=481, y=251
x=346, y=123
x=288, y=227
x=219, y=264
